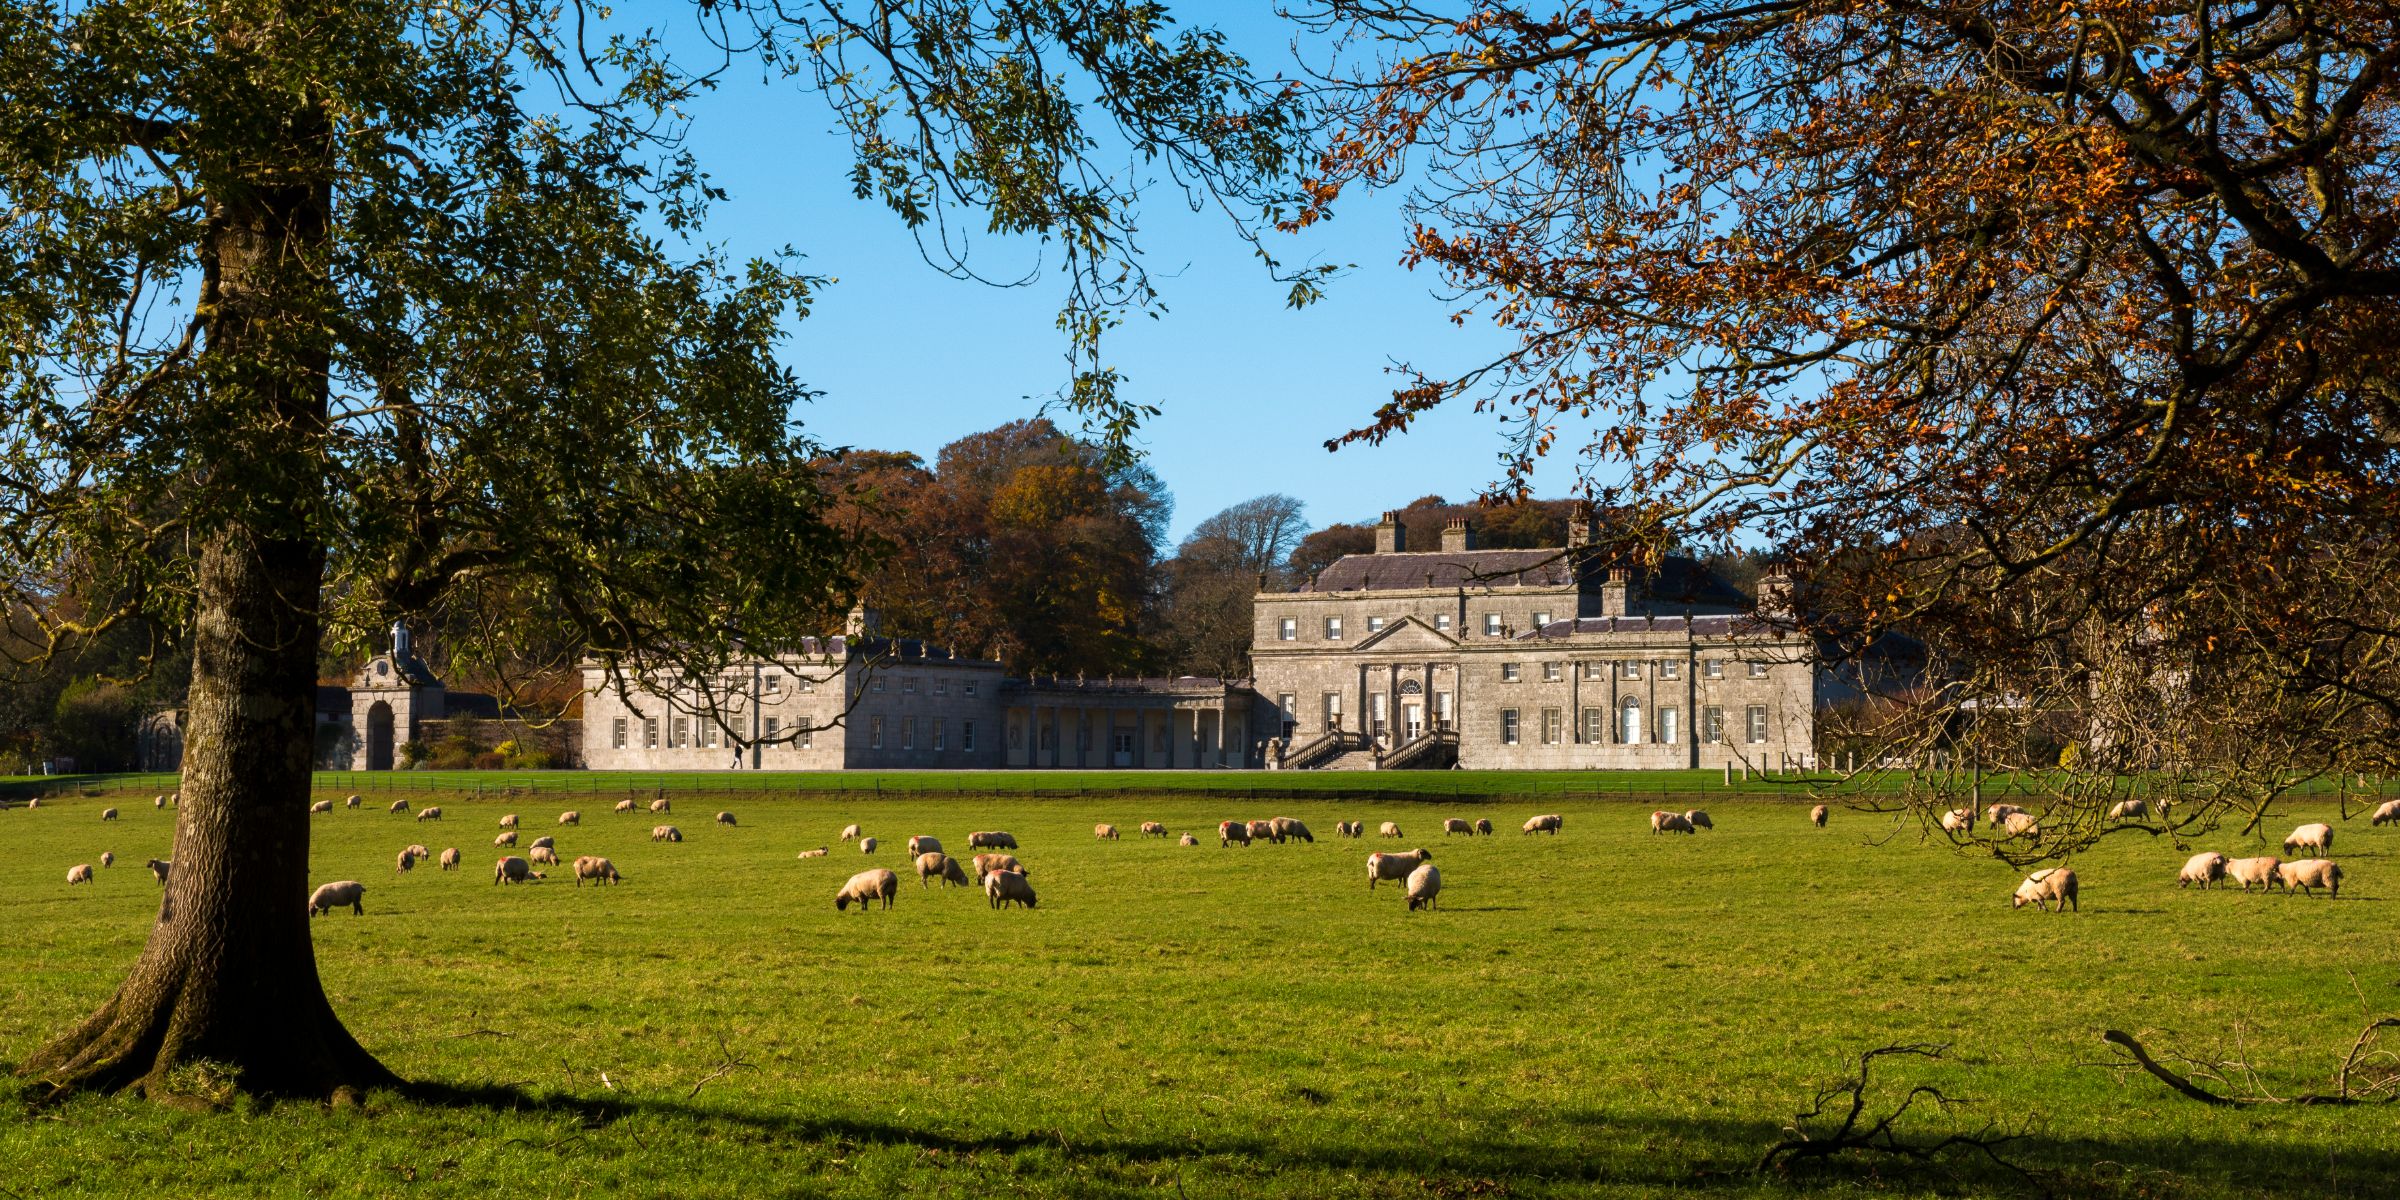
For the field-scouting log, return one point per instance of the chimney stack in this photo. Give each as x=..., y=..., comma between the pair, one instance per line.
x=1458, y=535
x=1391, y=537
x=863, y=622
x=1617, y=592
x=1775, y=591
x=1583, y=526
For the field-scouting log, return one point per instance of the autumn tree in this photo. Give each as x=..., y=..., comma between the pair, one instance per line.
x=2031, y=331
x=1216, y=574
x=324, y=313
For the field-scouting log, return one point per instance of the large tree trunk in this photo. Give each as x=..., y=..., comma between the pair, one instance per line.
x=229, y=977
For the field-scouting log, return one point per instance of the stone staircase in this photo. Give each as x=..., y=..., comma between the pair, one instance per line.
x=1351, y=760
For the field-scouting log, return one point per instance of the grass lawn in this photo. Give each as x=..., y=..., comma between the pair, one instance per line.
x=1602, y=1013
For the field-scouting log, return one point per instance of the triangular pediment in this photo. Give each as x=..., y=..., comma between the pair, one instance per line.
x=1408, y=634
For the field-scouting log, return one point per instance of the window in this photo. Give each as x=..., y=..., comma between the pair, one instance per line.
x=908, y=686
x=808, y=738
x=1758, y=670
x=1629, y=670
x=1593, y=670
x=1670, y=725
x=1629, y=721
x=875, y=734
x=1595, y=726
x=774, y=728
x=941, y=736
x=1551, y=731
x=966, y=735
x=773, y=685
x=1712, y=669
x=1508, y=672
x=1288, y=630
x=1551, y=672
x=1756, y=718
x=968, y=688
x=683, y=734
x=1712, y=725
x=1540, y=619
x=908, y=733
x=941, y=687
x=1508, y=727
x=1441, y=621
x=1016, y=735
x=1491, y=624
x=650, y=733
x=1670, y=670
x=1374, y=624
x=879, y=685
x=1333, y=710
x=616, y=734
x=806, y=684
x=1333, y=629
x=708, y=735
x=1290, y=704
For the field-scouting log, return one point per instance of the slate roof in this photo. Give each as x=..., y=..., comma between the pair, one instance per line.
x=880, y=647
x=1678, y=581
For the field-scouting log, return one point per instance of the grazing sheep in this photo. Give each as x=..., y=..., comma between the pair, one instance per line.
x=509, y=821
x=1483, y=825
x=849, y=832
x=108, y=814
x=985, y=864
x=321, y=806
x=1817, y=815
x=1154, y=829
x=405, y=863
x=420, y=852
x=79, y=873
x=2299, y=877
x=1382, y=866
x=348, y=893
x=1662, y=821
x=108, y=858
x=2126, y=810
x=36, y=802
x=726, y=818
x=1348, y=829
x=1698, y=819
x=625, y=806
x=543, y=855
x=1546, y=823
x=2247, y=871
x=2204, y=868
x=398, y=806
x=1229, y=832
x=350, y=801
x=596, y=869
x=430, y=813
x=865, y=888
x=1388, y=829
x=1959, y=820
x=661, y=805
x=665, y=833
x=924, y=844
x=1188, y=840
x=988, y=840
x=1999, y=814
x=2021, y=824
x=1291, y=827
x=546, y=840
x=451, y=858
x=507, y=837
x=2386, y=813
x=2044, y=886
x=2316, y=837
x=1265, y=831
x=933, y=864
x=158, y=802
x=514, y=870
x=1003, y=888
x=1424, y=884
x=819, y=852
x=1451, y=825
x=159, y=868
x=1104, y=832
x=574, y=816
x=866, y=845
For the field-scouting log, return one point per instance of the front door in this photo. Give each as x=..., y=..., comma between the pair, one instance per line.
x=1415, y=717
x=1121, y=747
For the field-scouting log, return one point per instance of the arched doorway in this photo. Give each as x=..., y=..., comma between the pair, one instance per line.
x=1629, y=723
x=379, y=736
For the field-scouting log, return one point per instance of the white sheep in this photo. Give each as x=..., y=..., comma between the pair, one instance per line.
x=506, y=837
x=866, y=845
x=1549, y=823
x=546, y=840
x=573, y=816
x=543, y=855
x=819, y=852
x=1999, y=814
x=849, y=832
x=661, y=805
x=2126, y=810
x=1154, y=829
x=406, y=862
x=2247, y=871
x=108, y=858
x=1104, y=832
x=726, y=818
x=1265, y=831
x=2022, y=824
x=1662, y=821
x=1424, y=884
x=1483, y=825
x=321, y=806
x=158, y=802
x=1348, y=829
x=1451, y=825
x=1188, y=840
x=159, y=868
x=933, y=864
x=348, y=893
x=1291, y=827
x=451, y=858
x=625, y=806
x=514, y=870
x=1698, y=819
x=108, y=814
x=350, y=801
x=865, y=888
x=509, y=821
x=596, y=869
x=2204, y=868
x=665, y=833
x=2044, y=886
x=985, y=864
x=986, y=840
x=2316, y=837
x=1959, y=820
x=431, y=812
x=398, y=806
x=1382, y=866
x=924, y=844
x=79, y=873
x=1003, y=888
x=1817, y=815
x=2386, y=813
x=1229, y=832
x=1389, y=829
x=2297, y=877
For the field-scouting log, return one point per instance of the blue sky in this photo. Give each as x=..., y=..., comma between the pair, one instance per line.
x=1249, y=389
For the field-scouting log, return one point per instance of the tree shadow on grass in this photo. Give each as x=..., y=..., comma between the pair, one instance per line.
x=1681, y=1153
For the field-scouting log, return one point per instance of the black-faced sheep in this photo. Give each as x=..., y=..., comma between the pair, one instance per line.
x=1549, y=823
x=321, y=806
x=665, y=833
x=1003, y=888
x=2299, y=877
x=1817, y=815
x=431, y=812
x=2316, y=837
x=933, y=864
x=1153, y=829
x=1451, y=825
x=2044, y=886
x=989, y=840
x=79, y=873
x=514, y=870
x=1292, y=828
x=985, y=864
x=1382, y=866
x=159, y=868
x=596, y=869
x=865, y=888
x=348, y=893
x=2204, y=868
x=1424, y=884
x=1104, y=832
x=1229, y=832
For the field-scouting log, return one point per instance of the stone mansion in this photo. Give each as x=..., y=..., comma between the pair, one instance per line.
x=1398, y=659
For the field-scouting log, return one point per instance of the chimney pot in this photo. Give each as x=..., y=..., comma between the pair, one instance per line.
x=1391, y=537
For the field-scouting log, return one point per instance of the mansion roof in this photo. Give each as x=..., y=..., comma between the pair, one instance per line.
x=1678, y=581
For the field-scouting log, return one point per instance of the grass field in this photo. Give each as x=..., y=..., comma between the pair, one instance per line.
x=1603, y=1013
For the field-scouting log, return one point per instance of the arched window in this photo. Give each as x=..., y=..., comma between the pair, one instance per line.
x=1629, y=721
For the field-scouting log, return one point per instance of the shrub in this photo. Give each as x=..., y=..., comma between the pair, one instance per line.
x=490, y=760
